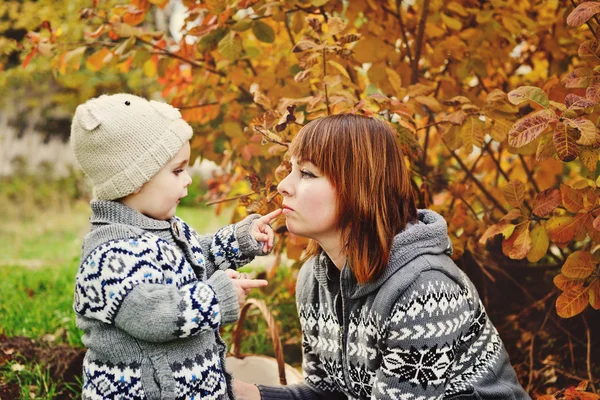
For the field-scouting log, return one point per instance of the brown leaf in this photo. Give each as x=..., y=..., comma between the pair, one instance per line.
x=565, y=143
x=529, y=128
x=579, y=78
x=514, y=193
x=546, y=201
x=589, y=50
x=529, y=93
x=503, y=227
x=572, y=301
x=579, y=265
x=583, y=13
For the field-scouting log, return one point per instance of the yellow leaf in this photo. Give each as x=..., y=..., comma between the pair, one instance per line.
x=339, y=67
x=451, y=23
x=502, y=227
x=369, y=50
x=429, y=102
x=572, y=302
x=579, y=265
x=394, y=79
x=335, y=25
x=150, y=67
x=540, y=240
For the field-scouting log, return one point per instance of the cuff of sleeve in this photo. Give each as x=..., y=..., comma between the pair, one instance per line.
x=273, y=392
x=249, y=246
x=226, y=295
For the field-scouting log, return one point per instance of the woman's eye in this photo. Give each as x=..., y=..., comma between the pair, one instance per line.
x=306, y=174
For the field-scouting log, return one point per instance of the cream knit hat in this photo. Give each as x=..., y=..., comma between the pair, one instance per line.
x=121, y=141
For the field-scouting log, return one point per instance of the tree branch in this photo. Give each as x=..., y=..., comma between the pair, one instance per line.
x=420, y=36
x=588, y=334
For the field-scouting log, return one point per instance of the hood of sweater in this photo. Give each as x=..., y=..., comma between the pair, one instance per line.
x=429, y=235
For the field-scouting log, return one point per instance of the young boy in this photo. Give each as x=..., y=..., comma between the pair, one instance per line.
x=150, y=293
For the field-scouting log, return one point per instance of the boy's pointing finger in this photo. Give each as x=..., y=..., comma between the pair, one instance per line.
x=271, y=216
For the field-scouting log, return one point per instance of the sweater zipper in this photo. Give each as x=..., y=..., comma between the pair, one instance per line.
x=343, y=339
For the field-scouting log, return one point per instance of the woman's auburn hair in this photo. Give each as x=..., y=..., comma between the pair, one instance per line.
x=363, y=161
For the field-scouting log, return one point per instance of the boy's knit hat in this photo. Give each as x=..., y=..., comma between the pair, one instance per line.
x=121, y=141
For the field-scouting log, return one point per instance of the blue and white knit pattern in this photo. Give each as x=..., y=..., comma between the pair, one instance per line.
x=116, y=267
x=428, y=327
x=108, y=381
x=200, y=378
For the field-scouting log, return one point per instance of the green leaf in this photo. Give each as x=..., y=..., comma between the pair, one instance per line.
x=263, y=32
x=530, y=93
x=242, y=25
x=231, y=46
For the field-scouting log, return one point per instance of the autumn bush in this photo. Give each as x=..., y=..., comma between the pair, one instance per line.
x=495, y=105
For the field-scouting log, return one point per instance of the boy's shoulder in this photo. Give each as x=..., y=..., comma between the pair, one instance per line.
x=104, y=233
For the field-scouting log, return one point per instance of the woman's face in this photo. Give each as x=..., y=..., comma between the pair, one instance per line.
x=309, y=202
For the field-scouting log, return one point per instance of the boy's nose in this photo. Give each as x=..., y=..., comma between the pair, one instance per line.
x=189, y=179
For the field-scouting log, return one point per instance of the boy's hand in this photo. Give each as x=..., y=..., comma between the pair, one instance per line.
x=243, y=284
x=262, y=232
x=245, y=391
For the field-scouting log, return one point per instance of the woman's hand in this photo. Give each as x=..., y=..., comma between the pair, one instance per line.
x=245, y=391
x=262, y=232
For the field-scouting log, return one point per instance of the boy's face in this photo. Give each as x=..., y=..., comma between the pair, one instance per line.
x=159, y=197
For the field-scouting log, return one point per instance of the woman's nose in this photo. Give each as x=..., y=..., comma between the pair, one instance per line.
x=284, y=187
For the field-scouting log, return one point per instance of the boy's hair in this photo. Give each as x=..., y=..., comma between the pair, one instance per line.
x=121, y=141
x=375, y=201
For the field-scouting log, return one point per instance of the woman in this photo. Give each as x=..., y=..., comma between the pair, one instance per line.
x=385, y=312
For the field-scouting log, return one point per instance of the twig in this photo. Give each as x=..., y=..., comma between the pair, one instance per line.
x=531, y=348
x=419, y=43
x=529, y=173
x=588, y=333
x=398, y=15
x=324, y=83
x=568, y=375
x=289, y=32
x=533, y=305
x=223, y=200
x=433, y=124
x=266, y=135
x=476, y=181
x=588, y=22
x=214, y=103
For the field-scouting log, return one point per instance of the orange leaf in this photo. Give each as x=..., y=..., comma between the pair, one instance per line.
x=519, y=244
x=96, y=61
x=595, y=294
x=579, y=265
x=546, y=201
x=514, y=193
x=561, y=229
x=572, y=302
x=589, y=50
x=29, y=57
x=579, y=78
x=572, y=199
x=566, y=284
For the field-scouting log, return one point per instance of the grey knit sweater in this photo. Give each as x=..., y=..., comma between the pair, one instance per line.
x=419, y=332
x=150, y=296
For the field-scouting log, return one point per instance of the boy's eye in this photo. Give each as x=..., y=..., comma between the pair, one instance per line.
x=177, y=171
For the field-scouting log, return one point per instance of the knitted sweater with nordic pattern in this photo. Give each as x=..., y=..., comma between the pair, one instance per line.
x=150, y=296
x=419, y=332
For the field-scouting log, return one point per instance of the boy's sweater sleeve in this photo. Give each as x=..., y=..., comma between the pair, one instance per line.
x=230, y=247
x=426, y=328
x=130, y=283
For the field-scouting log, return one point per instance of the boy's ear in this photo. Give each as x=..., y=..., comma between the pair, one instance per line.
x=88, y=120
